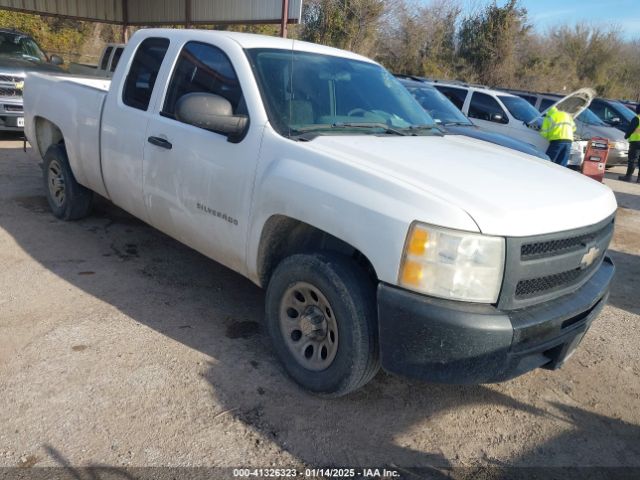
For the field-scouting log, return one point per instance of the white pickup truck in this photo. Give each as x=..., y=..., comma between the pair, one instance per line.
x=314, y=173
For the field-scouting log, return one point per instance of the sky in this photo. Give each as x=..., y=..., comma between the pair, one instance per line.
x=624, y=15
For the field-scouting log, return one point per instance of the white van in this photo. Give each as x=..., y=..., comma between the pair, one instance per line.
x=511, y=115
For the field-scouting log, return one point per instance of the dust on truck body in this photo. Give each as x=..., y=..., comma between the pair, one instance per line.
x=379, y=239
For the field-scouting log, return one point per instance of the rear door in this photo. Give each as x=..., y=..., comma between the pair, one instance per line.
x=124, y=124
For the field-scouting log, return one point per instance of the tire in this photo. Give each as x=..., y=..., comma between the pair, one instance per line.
x=344, y=354
x=67, y=198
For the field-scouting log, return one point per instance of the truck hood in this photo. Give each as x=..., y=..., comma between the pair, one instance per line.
x=505, y=192
x=15, y=65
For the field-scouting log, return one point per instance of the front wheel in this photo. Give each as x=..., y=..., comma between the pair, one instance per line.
x=67, y=198
x=321, y=316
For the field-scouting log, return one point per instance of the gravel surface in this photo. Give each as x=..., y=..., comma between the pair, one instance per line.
x=121, y=347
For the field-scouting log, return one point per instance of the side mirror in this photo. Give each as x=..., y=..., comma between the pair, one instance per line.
x=211, y=112
x=498, y=118
x=56, y=60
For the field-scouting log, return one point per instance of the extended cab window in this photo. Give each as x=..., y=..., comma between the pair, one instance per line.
x=485, y=107
x=457, y=96
x=203, y=68
x=144, y=72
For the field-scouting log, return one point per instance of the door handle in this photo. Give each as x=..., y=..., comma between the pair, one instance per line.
x=160, y=142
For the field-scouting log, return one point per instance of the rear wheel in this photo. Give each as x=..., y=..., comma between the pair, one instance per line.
x=67, y=198
x=321, y=316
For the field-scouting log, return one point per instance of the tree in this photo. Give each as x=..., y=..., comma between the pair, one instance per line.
x=347, y=24
x=489, y=39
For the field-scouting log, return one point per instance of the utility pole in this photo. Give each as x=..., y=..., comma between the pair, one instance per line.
x=285, y=18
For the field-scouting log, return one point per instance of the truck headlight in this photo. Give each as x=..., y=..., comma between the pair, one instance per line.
x=621, y=145
x=452, y=264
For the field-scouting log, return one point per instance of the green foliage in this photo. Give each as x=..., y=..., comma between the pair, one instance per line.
x=54, y=35
x=347, y=24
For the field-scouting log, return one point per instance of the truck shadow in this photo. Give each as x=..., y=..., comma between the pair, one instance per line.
x=164, y=285
x=626, y=283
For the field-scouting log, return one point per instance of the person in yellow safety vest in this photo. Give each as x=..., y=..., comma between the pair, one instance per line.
x=633, y=135
x=558, y=127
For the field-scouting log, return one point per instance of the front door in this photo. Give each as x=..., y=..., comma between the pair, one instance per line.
x=197, y=184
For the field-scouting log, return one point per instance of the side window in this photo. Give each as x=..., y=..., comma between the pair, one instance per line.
x=597, y=107
x=144, y=72
x=485, y=107
x=105, y=58
x=546, y=103
x=203, y=68
x=116, y=59
x=530, y=99
x=456, y=95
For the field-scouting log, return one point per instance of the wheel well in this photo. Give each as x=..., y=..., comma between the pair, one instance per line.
x=47, y=134
x=284, y=236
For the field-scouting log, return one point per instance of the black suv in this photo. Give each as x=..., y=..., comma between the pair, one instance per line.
x=19, y=54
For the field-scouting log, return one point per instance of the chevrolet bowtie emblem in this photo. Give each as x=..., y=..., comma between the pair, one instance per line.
x=20, y=85
x=590, y=257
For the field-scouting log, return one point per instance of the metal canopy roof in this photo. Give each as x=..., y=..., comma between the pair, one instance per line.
x=163, y=12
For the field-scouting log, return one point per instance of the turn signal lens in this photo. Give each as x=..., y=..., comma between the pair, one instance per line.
x=418, y=242
x=412, y=273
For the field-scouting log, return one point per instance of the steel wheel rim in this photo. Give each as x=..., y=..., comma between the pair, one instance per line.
x=308, y=326
x=55, y=181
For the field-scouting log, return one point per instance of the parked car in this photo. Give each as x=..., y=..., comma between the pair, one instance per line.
x=587, y=123
x=106, y=66
x=313, y=172
x=19, y=54
x=613, y=113
x=501, y=112
x=453, y=121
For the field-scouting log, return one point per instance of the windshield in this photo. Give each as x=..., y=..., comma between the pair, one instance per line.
x=591, y=118
x=519, y=108
x=439, y=107
x=306, y=92
x=21, y=46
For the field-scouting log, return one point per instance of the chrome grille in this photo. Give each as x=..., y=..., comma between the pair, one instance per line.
x=541, y=268
x=8, y=85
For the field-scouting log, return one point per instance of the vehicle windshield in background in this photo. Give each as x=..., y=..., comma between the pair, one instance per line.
x=309, y=92
x=439, y=107
x=623, y=110
x=591, y=118
x=20, y=46
x=520, y=108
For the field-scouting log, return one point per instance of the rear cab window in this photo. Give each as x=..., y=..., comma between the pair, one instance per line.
x=105, y=58
x=116, y=59
x=143, y=73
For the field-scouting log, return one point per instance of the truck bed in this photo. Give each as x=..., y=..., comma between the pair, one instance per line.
x=74, y=104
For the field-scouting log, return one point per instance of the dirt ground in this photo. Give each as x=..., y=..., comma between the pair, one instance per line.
x=120, y=347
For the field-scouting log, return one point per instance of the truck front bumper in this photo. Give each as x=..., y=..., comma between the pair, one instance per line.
x=11, y=115
x=445, y=341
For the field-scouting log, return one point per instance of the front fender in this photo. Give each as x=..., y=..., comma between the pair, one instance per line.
x=360, y=206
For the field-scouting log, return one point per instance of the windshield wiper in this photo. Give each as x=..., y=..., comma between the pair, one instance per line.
x=346, y=126
x=457, y=124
